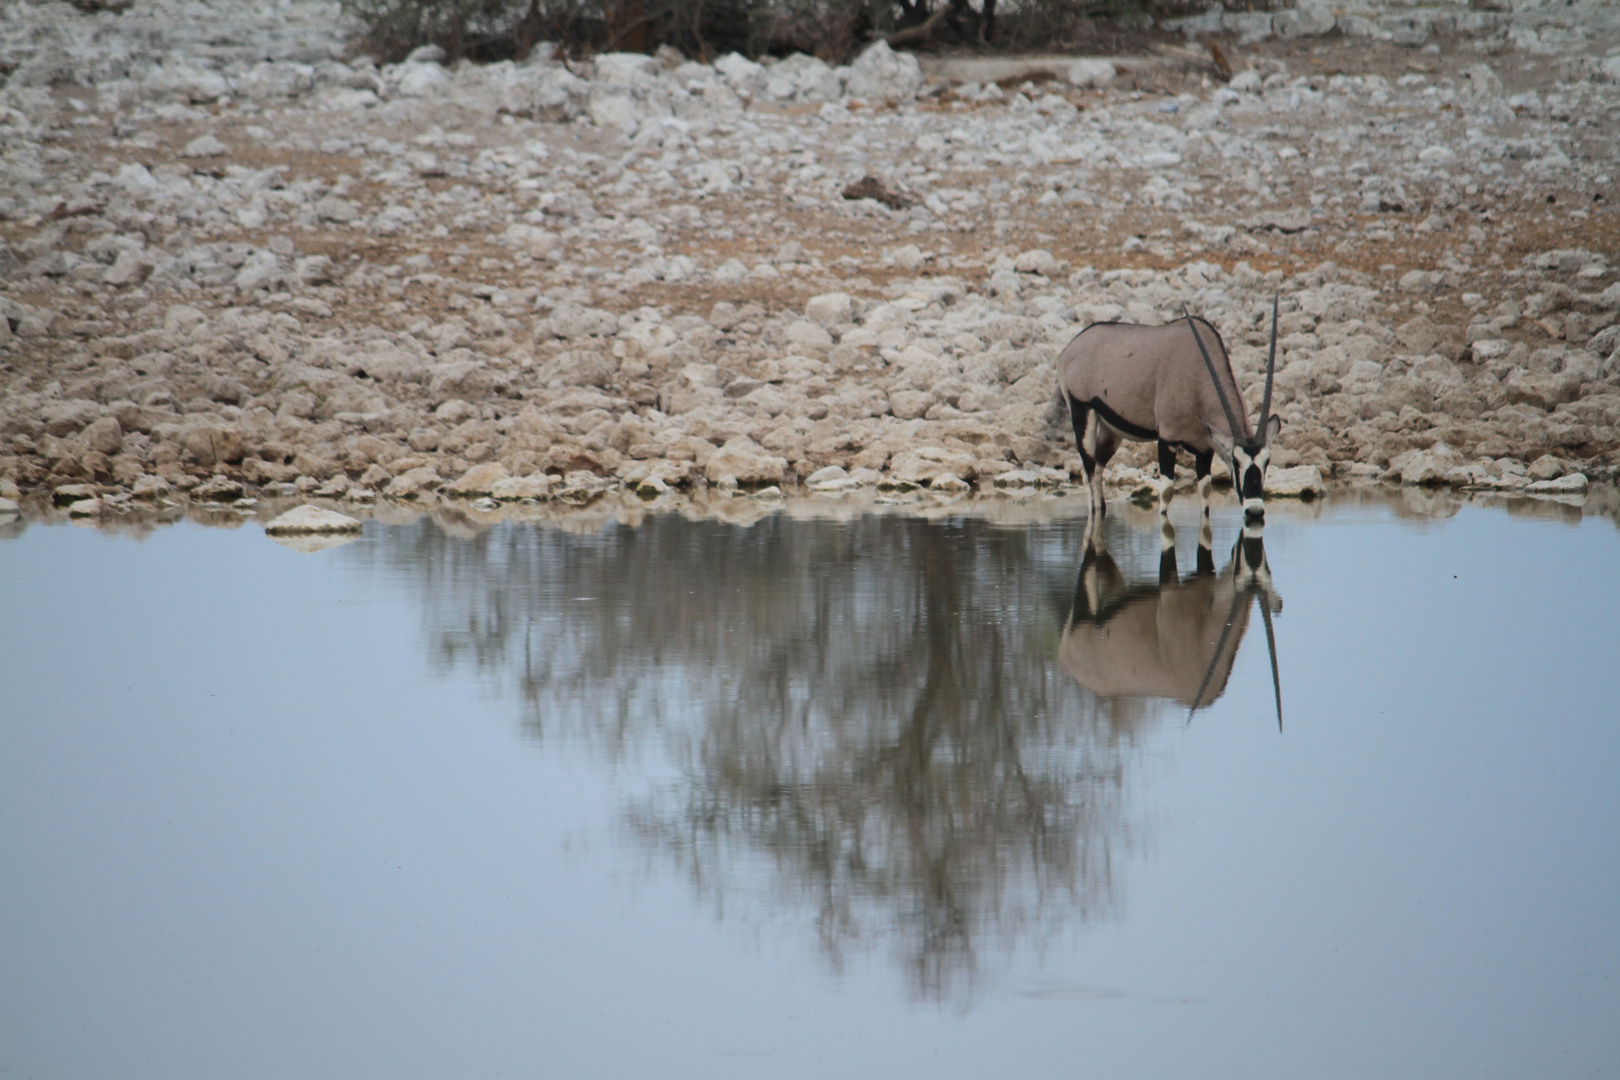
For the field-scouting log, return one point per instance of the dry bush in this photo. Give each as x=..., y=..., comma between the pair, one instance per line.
x=834, y=30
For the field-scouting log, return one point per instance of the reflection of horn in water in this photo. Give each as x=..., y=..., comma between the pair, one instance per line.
x=1220, y=651
x=1271, y=647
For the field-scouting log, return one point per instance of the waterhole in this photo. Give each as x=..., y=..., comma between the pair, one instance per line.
x=878, y=796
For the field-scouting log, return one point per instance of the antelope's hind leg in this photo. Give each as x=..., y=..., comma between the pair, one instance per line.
x=1085, y=422
x=1104, y=441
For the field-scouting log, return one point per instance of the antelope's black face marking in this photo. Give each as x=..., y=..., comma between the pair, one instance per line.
x=1249, y=461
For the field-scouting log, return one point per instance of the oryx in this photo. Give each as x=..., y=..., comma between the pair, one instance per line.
x=1161, y=384
x=1175, y=639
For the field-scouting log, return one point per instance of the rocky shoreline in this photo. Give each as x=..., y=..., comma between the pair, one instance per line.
x=242, y=264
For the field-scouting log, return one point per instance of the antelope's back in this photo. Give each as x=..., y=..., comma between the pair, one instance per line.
x=1151, y=376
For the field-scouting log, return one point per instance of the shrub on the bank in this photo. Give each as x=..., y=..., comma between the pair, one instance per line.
x=833, y=29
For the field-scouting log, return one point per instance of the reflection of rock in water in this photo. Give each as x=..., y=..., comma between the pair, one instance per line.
x=868, y=707
x=1137, y=646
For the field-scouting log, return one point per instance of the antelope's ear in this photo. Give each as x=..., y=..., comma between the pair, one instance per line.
x=1273, y=425
x=1222, y=441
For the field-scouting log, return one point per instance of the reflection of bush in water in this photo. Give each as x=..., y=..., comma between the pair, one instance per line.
x=874, y=707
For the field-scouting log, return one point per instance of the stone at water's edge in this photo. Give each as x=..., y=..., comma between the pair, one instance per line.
x=1571, y=484
x=747, y=461
x=7, y=507
x=480, y=479
x=521, y=487
x=311, y=519
x=1298, y=482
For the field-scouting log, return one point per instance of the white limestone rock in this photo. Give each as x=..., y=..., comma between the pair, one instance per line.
x=1296, y=482
x=311, y=519
x=881, y=74
x=1570, y=484
x=746, y=461
x=205, y=146
x=830, y=309
x=416, y=80
x=1091, y=72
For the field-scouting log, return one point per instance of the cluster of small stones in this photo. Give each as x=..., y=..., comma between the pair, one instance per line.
x=236, y=263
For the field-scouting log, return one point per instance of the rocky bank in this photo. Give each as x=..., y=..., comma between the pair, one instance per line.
x=239, y=259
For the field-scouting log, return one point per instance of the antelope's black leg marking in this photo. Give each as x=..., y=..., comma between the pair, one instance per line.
x=1206, y=553
x=1167, y=460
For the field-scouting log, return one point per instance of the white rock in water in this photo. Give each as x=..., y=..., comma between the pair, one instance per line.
x=831, y=476
x=1017, y=478
x=9, y=507
x=1298, y=482
x=311, y=519
x=535, y=486
x=1091, y=73
x=1571, y=484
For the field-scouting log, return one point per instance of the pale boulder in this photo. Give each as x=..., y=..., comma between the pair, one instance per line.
x=513, y=488
x=745, y=460
x=480, y=479
x=312, y=519
x=1297, y=482
x=922, y=464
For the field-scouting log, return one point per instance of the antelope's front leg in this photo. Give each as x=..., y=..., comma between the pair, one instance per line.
x=1167, y=476
x=1206, y=483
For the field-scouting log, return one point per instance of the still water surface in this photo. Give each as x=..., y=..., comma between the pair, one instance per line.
x=877, y=797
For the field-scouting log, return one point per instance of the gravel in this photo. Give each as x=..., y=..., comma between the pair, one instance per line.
x=230, y=256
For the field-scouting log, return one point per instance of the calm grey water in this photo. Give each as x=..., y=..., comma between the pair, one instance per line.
x=812, y=799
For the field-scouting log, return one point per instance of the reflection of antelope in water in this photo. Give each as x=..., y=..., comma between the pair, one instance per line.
x=1173, y=639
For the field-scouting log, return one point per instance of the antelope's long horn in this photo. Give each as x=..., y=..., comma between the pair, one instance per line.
x=1271, y=367
x=1271, y=647
x=1220, y=391
x=1220, y=650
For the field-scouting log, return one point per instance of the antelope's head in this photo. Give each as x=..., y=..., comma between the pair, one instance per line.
x=1246, y=456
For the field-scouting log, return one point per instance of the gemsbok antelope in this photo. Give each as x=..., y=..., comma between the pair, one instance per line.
x=1150, y=384
x=1175, y=639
